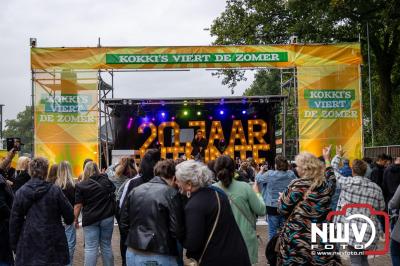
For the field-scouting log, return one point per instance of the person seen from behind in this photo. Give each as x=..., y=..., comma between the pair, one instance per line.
x=6, y=202
x=306, y=200
x=212, y=236
x=146, y=173
x=52, y=175
x=152, y=219
x=272, y=183
x=95, y=196
x=246, y=203
x=65, y=180
x=37, y=234
x=358, y=190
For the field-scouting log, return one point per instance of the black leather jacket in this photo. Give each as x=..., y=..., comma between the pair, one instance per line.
x=153, y=214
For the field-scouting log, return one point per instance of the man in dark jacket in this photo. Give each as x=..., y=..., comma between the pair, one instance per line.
x=378, y=169
x=6, y=200
x=36, y=231
x=153, y=219
x=391, y=180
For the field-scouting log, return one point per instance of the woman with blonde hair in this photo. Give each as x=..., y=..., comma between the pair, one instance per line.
x=95, y=195
x=21, y=171
x=305, y=201
x=65, y=180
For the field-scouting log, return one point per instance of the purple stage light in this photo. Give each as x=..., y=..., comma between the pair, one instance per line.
x=129, y=126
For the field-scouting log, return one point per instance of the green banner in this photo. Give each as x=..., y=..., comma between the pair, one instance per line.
x=196, y=58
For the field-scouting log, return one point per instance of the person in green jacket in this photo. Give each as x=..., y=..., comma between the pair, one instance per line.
x=246, y=202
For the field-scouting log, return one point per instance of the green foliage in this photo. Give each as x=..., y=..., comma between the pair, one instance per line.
x=21, y=127
x=255, y=22
x=266, y=82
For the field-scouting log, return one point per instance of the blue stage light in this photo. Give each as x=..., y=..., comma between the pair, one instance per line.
x=221, y=112
x=244, y=112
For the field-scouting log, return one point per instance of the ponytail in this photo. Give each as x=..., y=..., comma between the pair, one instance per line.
x=225, y=177
x=225, y=168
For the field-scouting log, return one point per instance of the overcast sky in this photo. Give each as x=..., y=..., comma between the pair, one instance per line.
x=72, y=23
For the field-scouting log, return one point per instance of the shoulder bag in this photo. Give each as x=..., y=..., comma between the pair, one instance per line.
x=193, y=262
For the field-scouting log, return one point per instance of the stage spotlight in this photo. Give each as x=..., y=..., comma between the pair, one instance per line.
x=221, y=112
x=233, y=117
x=198, y=113
x=129, y=126
x=210, y=117
x=185, y=112
x=124, y=102
x=244, y=112
x=163, y=114
x=146, y=118
x=173, y=118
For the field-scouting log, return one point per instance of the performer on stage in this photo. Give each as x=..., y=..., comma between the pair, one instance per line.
x=199, y=145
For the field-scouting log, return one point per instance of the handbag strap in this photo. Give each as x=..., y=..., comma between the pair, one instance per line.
x=213, y=229
x=239, y=208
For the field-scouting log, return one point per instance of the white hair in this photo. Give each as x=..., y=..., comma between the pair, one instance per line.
x=195, y=172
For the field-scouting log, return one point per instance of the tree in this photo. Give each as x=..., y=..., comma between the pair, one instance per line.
x=21, y=127
x=266, y=82
x=321, y=21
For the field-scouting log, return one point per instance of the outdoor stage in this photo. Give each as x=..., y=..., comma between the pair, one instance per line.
x=236, y=126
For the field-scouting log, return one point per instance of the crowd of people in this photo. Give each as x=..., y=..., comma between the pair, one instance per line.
x=185, y=212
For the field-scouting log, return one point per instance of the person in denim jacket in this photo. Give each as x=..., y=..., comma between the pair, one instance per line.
x=272, y=183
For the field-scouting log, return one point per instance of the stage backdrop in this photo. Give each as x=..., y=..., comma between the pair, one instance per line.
x=240, y=130
x=66, y=117
x=328, y=76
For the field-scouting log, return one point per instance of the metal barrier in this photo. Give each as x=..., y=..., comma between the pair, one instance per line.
x=373, y=152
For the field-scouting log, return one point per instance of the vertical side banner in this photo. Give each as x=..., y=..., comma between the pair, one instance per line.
x=66, y=117
x=330, y=109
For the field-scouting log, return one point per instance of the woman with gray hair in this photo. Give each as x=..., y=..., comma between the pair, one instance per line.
x=212, y=235
x=36, y=231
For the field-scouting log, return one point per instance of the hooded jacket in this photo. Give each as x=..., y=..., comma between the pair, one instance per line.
x=36, y=230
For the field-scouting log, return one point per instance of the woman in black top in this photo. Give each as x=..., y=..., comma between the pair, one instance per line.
x=95, y=195
x=226, y=245
x=65, y=180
